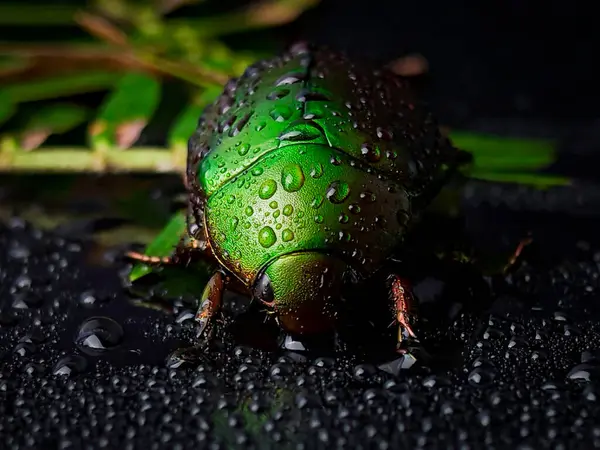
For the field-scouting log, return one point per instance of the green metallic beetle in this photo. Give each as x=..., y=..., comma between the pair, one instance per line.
x=304, y=177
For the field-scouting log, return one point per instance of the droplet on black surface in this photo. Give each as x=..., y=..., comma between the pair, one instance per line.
x=97, y=335
x=481, y=377
x=70, y=365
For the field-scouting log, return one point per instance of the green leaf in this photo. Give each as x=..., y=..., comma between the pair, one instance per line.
x=58, y=118
x=538, y=180
x=7, y=107
x=127, y=110
x=23, y=14
x=62, y=85
x=492, y=153
x=187, y=122
x=163, y=245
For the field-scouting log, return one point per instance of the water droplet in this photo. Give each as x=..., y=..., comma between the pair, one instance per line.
x=287, y=235
x=370, y=152
x=316, y=171
x=266, y=237
x=231, y=199
x=319, y=219
x=481, y=377
x=241, y=123
x=273, y=205
x=70, y=365
x=354, y=208
x=280, y=113
x=290, y=78
x=267, y=189
x=244, y=149
x=96, y=335
x=317, y=201
x=306, y=95
x=233, y=223
x=368, y=197
x=338, y=191
x=343, y=218
x=292, y=178
x=257, y=171
x=249, y=211
x=288, y=210
x=278, y=94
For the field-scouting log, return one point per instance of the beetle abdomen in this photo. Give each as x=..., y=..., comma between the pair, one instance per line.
x=303, y=198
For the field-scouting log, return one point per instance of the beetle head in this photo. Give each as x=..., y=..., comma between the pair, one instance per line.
x=304, y=290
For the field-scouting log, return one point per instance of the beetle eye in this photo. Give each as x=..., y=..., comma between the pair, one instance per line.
x=263, y=290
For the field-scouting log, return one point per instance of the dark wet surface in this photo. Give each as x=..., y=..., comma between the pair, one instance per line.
x=84, y=367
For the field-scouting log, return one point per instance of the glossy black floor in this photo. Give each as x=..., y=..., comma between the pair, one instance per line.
x=81, y=367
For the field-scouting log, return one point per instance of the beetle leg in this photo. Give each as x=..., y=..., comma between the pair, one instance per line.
x=210, y=303
x=402, y=299
x=517, y=253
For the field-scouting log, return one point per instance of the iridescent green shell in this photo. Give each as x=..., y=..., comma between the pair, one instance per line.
x=309, y=151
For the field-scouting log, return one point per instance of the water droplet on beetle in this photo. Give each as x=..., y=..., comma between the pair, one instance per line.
x=97, y=335
x=316, y=171
x=354, y=208
x=288, y=210
x=290, y=78
x=249, y=210
x=317, y=201
x=370, y=152
x=338, y=191
x=278, y=94
x=280, y=113
x=244, y=149
x=287, y=235
x=292, y=178
x=267, y=189
x=267, y=237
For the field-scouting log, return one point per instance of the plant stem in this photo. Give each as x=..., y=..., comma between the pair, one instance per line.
x=80, y=160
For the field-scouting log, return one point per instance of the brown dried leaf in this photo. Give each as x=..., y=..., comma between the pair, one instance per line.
x=127, y=134
x=410, y=65
x=101, y=28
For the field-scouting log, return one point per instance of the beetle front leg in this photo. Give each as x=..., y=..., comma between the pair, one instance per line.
x=210, y=304
x=402, y=300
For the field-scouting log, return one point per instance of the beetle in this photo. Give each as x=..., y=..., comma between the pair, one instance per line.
x=304, y=177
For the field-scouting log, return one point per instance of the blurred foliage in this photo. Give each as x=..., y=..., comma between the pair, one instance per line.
x=128, y=52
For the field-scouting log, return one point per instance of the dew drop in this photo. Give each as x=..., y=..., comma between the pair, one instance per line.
x=69, y=365
x=249, y=210
x=287, y=235
x=266, y=237
x=317, y=201
x=368, y=197
x=288, y=210
x=316, y=171
x=278, y=94
x=280, y=113
x=97, y=335
x=354, y=208
x=343, y=218
x=338, y=191
x=319, y=219
x=292, y=178
x=273, y=204
x=267, y=189
x=371, y=153
x=244, y=149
